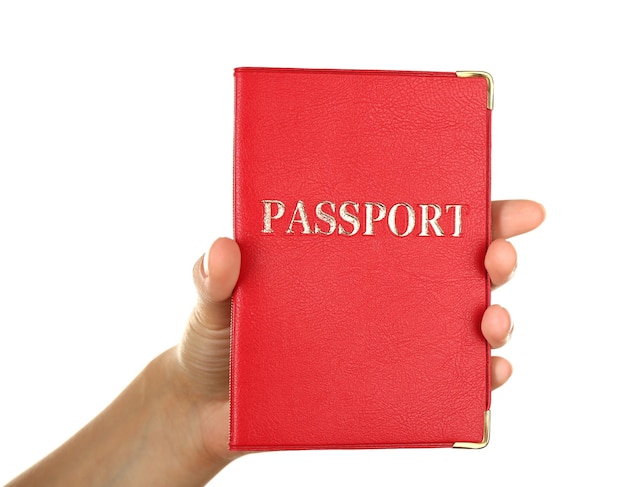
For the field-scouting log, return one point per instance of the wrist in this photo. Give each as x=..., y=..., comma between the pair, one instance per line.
x=193, y=424
x=151, y=434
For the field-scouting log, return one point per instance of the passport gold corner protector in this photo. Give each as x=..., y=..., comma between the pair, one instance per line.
x=482, y=444
x=480, y=74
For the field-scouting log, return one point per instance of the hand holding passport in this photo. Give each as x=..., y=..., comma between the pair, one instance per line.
x=172, y=421
x=179, y=404
x=206, y=339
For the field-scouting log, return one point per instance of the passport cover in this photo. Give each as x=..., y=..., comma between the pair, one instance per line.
x=362, y=210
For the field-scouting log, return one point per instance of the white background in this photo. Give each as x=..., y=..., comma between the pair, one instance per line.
x=115, y=176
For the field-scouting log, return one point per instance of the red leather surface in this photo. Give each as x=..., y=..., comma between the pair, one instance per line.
x=364, y=340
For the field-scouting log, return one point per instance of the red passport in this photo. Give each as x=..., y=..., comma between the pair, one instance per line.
x=362, y=210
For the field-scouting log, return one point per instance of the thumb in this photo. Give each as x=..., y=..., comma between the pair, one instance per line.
x=204, y=349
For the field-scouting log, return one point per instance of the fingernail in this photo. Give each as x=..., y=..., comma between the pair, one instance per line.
x=510, y=333
x=512, y=274
x=205, y=264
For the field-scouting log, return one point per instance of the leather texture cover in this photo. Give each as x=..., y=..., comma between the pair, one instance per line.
x=362, y=209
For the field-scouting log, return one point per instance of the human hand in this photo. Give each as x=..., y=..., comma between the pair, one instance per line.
x=204, y=351
x=170, y=425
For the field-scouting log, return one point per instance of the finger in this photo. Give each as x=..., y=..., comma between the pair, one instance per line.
x=514, y=217
x=496, y=326
x=500, y=262
x=204, y=349
x=215, y=276
x=501, y=370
